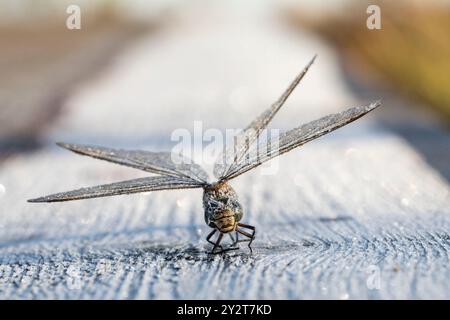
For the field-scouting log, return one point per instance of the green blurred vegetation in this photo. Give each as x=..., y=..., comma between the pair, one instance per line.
x=411, y=52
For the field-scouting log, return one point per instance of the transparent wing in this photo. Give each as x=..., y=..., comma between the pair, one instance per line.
x=124, y=187
x=299, y=136
x=162, y=163
x=228, y=161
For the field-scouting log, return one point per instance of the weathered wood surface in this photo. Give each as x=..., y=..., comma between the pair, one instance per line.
x=357, y=214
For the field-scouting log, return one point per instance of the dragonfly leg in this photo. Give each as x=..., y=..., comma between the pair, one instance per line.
x=210, y=235
x=234, y=242
x=250, y=236
x=232, y=239
x=237, y=236
x=217, y=243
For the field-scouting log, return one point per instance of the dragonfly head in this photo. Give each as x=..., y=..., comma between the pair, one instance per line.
x=225, y=221
x=222, y=209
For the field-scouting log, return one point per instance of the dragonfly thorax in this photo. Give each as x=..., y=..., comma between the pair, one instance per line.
x=222, y=209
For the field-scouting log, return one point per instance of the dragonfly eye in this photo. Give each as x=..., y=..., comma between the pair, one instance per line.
x=217, y=203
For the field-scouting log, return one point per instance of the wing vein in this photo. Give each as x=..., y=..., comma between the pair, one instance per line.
x=147, y=184
x=244, y=140
x=161, y=163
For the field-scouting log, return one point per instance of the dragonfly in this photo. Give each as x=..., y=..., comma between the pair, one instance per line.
x=222, y=210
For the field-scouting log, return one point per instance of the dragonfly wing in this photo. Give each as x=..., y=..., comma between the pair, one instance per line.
x=124, y=187
x=242, y=142
x=301, y=135
x=162, y=163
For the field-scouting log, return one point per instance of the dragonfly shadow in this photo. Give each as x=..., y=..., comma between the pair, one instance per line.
x=135, y=242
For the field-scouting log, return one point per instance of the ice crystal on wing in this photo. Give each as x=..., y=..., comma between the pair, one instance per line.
x=228, y=161
x=164, y=163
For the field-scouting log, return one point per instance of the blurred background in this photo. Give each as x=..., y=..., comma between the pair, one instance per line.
x=406, y=62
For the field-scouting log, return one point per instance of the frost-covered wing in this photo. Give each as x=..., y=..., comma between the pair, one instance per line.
x=228, y=161
x=162, y=163
x=299, y=136
x=125, y=187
